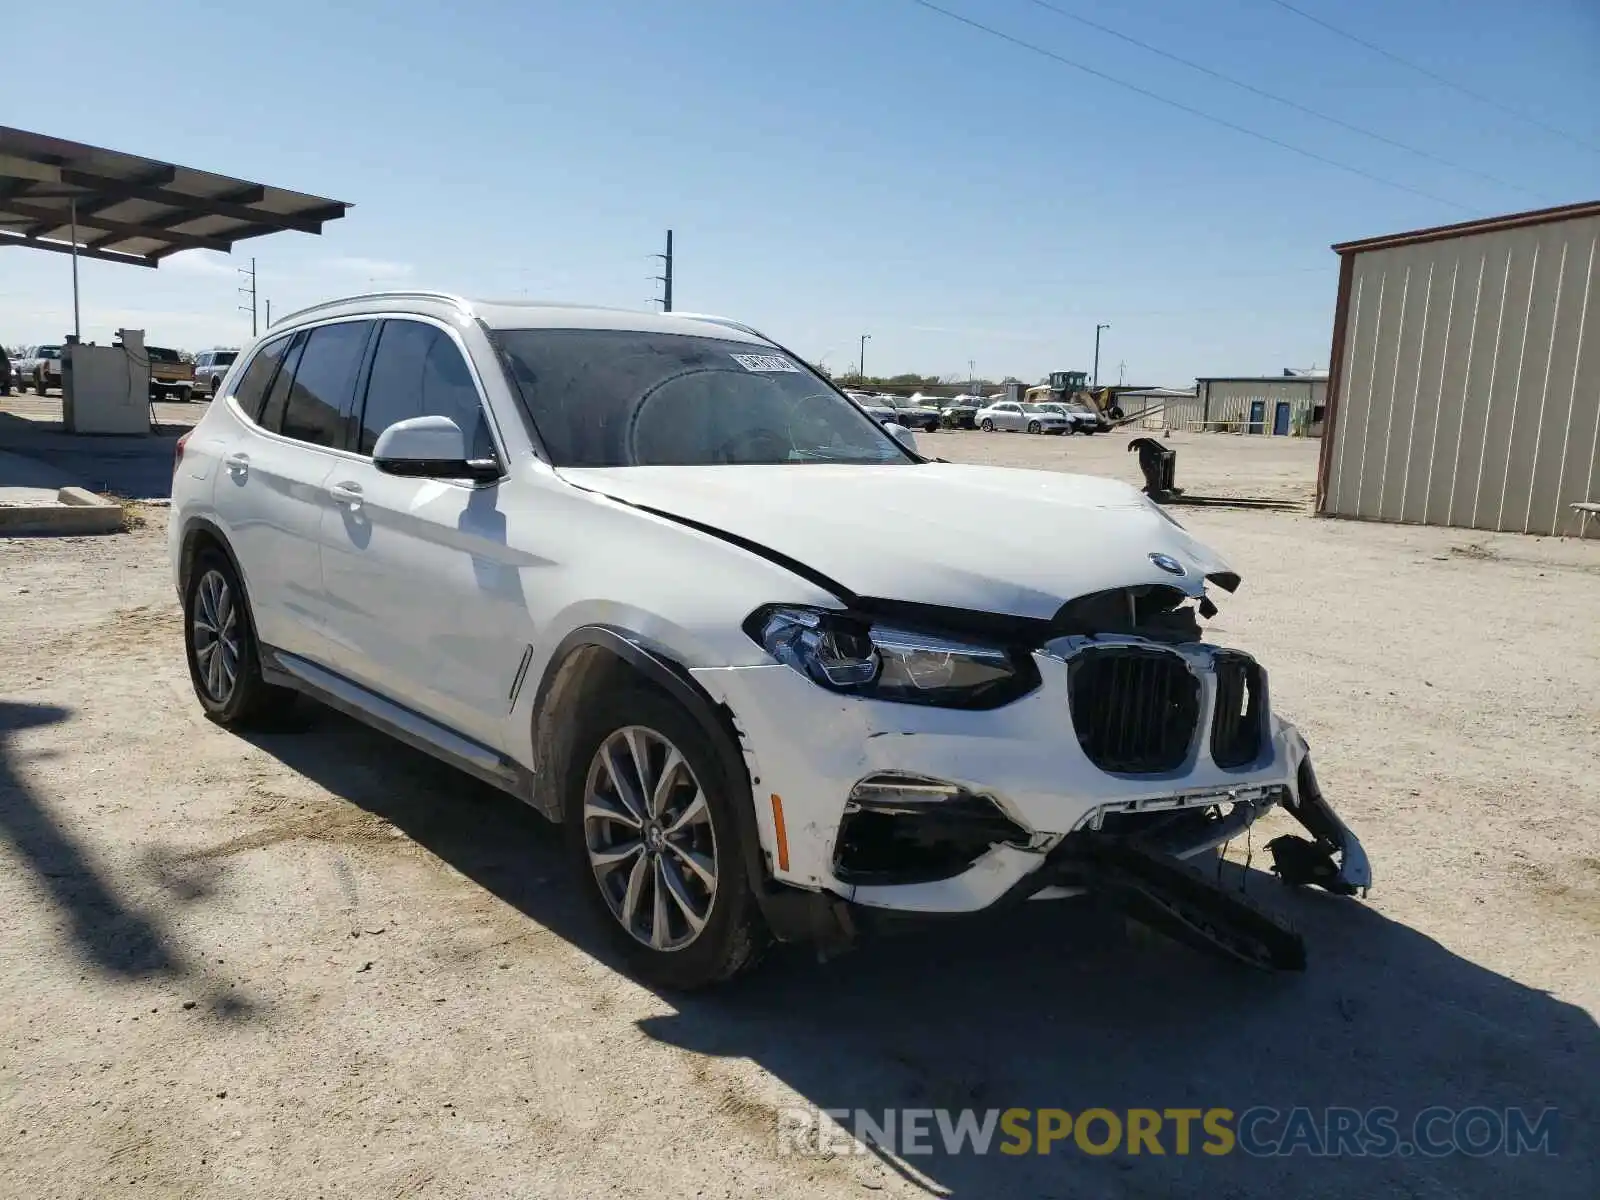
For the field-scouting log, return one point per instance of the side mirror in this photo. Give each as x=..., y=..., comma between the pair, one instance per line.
x=429, y=448
x=902, y=435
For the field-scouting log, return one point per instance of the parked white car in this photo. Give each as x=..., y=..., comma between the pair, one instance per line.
x=1011, y=417
x=617, y=565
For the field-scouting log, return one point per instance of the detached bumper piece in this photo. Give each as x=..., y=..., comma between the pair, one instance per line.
x=1164, y=894
x=1333, y=858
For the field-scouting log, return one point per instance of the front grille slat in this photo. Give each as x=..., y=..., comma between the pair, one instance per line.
x=1135, y=708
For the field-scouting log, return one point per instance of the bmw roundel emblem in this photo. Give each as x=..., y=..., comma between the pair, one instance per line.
x=1168, y=564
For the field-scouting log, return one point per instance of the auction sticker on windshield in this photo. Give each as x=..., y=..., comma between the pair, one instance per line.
x=764, y=362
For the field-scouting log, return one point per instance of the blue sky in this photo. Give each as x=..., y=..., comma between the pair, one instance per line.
x=831, y=167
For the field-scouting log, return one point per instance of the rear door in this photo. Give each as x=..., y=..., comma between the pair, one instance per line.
x=270, y=494
x=425, y=597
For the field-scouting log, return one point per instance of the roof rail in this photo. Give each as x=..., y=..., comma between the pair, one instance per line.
x=727, y=322
x=451, y=297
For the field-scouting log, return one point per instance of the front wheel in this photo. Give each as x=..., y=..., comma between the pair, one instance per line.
x=1033, y=427
x=654, y=837
x=987, y=426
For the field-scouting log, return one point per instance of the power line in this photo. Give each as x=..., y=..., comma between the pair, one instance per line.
x=1294, y=104
x=1182, y=107
x=1437, y=78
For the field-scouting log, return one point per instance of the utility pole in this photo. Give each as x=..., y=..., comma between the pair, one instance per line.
x=972, y=377
x=1097, y=329
x=665, y=280
x=269, y=312
x=861, y=369
x=252, y=290
x=1122, y=370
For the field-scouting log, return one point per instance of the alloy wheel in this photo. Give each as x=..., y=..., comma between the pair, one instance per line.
x=649, y=837
x=214, y=633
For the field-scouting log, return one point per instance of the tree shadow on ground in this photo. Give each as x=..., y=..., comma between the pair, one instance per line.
x=1051, y=1007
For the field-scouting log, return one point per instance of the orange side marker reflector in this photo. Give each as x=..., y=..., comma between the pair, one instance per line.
x=783, y=837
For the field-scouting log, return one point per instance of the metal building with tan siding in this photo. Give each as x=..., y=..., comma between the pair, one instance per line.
x=1465, y=379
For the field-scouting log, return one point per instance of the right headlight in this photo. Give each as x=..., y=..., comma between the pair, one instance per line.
x=857, y=657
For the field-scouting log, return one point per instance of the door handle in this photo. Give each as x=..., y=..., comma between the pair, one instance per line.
x=347, y=494
x=237, y=463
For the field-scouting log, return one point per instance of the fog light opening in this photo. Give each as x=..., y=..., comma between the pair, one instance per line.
x=901, y=829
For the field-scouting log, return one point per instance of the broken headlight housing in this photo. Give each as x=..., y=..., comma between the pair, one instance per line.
x=857, y=657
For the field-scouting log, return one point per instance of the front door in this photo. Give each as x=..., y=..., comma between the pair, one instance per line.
x=425, y=596
x=1280, y=419
x=1258, y=416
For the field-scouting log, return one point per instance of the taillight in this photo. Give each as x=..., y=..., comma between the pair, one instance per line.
x=177, y=451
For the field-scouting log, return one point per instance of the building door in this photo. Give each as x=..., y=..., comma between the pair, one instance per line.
x=1258, y=417
x=1280, y=419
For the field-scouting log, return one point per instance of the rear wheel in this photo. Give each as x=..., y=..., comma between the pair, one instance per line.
x=220, y=642
x=987, y=426
x=654, y=837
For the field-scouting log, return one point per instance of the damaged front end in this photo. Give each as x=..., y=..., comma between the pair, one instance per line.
x=1147, y=698
x=931, y=762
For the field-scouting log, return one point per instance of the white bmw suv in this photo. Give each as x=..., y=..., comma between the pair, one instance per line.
x=616, y=564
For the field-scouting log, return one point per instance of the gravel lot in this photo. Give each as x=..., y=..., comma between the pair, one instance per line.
x=317, y=963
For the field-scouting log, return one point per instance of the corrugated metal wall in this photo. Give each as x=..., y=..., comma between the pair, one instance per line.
x=1469, y=390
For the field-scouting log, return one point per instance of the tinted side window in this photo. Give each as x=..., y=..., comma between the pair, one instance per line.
x=325, y=383
x=418, y=371
x=251, y=391
x=278, y=397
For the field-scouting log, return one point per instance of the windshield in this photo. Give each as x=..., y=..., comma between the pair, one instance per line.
x=224, y=358
x=620, y=398
x=48, y=352
x=161, y=354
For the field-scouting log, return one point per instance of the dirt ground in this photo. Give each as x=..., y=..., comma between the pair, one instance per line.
x=315, y=963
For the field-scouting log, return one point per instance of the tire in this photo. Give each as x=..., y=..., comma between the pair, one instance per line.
x=731, y=934
x=987, y=426
x=1033, y=427
x=931, y=427
x=214, y=598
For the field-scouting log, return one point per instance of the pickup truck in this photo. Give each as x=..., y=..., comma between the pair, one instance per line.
x=39, y=368
x=169, y=374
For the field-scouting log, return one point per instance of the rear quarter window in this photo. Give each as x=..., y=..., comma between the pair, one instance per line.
x=251, y=391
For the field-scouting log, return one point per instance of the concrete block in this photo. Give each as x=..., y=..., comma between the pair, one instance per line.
x=74, y=513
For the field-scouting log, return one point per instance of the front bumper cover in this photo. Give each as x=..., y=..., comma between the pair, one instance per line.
x=810, y=747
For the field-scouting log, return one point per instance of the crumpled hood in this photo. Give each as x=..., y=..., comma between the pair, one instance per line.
x=984, y=539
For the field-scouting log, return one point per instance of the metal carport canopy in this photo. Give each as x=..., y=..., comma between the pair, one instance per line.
x=135, y=210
